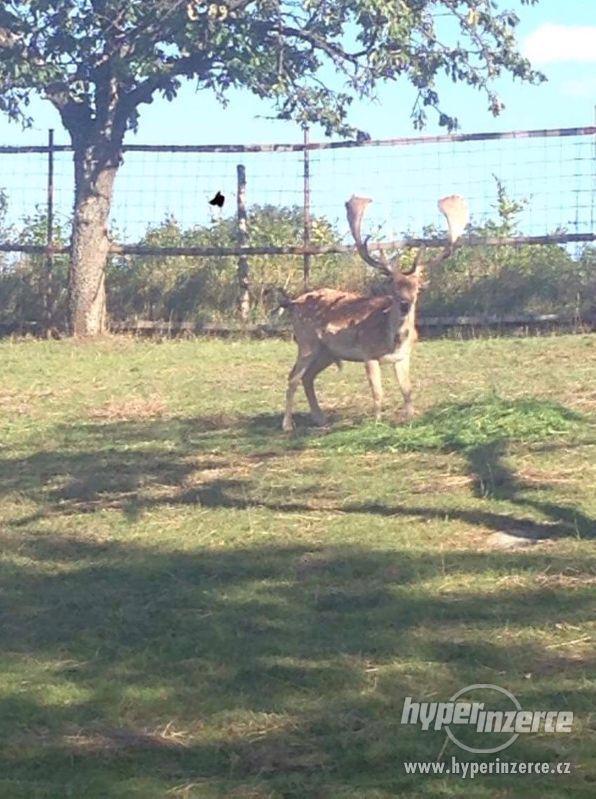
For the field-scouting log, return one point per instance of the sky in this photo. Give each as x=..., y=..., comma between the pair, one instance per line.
x=559, y=37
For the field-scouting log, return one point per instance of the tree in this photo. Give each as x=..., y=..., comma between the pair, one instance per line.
x=98, y=61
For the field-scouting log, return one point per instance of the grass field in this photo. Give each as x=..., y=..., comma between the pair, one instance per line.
x=195, y=604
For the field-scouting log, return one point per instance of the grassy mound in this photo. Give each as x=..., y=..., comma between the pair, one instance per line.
x=458, y=426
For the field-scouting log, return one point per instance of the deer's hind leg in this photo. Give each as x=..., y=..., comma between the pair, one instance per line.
x=321, y=361
x=303, y=361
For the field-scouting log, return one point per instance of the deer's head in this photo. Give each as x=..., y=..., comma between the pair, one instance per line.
x=404, y=286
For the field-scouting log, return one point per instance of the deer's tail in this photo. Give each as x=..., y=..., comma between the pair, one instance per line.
x=278, y=297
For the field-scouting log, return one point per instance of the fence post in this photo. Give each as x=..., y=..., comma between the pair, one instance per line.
x=48, y=300
x=243, y=275
x=307, y=225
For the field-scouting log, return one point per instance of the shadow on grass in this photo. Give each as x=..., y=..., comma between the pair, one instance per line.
x=264, y=671
x=282, y=669
x=137, y=466
x=482, y=433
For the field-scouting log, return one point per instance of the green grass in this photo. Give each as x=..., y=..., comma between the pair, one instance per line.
x=460, y=426
x=195, y=604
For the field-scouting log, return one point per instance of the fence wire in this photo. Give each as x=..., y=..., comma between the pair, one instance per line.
x=551, y=179
x=550, y=174
x=153, y=186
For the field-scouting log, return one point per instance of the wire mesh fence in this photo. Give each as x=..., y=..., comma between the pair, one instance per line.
x=550, y=174
x=551, y=177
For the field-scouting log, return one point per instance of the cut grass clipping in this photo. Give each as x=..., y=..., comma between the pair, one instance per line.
x=459, y=427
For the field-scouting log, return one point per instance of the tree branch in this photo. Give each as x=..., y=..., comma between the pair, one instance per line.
x=186, y=66
x=76, y=116
x=332, y=50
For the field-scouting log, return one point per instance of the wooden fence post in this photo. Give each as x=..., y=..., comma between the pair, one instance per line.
x=307, y=226
x=243, y=271
x=48, y=298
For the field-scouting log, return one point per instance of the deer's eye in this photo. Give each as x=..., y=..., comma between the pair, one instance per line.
x=404, y=306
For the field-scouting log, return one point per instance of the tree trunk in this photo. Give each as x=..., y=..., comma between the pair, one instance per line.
x=95, y=171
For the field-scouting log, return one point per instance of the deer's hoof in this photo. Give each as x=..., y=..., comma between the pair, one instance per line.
x=406, y=415
x=287, y=425
x=319, y=419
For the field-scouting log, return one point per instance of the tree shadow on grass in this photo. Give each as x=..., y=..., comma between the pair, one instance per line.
x=483, y=432
x=135, y=466
x=267, y=670
x=493, y=479
x=276, y=668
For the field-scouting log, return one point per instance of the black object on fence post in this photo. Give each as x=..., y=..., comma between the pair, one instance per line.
x=48, y=300
x=306, y=235
x=243, y=275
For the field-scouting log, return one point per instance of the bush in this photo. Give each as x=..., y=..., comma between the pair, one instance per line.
x=205, y=289
x=25, y=286
x=478, y=280
x=510, y=279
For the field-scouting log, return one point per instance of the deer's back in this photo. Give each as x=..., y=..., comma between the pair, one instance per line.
x=351, y=326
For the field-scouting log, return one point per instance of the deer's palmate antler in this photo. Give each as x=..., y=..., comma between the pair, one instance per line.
x=355, y=210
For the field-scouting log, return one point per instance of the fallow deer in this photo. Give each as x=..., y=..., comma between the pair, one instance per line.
x=331, y=326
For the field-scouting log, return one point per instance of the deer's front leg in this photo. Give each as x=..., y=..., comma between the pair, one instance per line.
x=402, y=373
x=373, y=373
